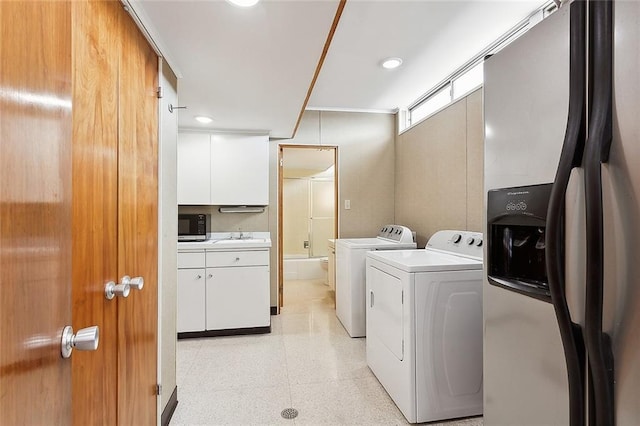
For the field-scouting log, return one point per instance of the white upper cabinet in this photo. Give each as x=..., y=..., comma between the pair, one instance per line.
x=239, y=170
x=194, y=168
x=223, y=170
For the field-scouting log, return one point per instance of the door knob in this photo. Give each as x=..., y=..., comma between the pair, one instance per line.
x=85, y=339
x=135, y=283
x=112, y=290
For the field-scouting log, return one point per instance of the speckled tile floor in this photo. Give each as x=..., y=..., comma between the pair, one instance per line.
x=308, y=362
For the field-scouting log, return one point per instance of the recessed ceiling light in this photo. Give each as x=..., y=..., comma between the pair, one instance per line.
x=244, y=3
x=203, y=119
x=391, y=63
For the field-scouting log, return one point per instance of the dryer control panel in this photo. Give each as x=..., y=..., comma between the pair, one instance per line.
x=398, y=233
x=462, y=243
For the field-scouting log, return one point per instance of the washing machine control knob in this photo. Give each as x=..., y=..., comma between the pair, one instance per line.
x=470, y=241
x=479, y=243
x=456, y=238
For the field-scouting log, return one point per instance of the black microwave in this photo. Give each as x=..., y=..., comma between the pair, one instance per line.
x=192, y=227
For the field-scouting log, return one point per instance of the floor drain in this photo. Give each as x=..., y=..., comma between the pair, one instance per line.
x=289, y=413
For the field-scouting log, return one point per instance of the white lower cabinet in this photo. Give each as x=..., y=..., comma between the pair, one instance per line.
x=191, y=300
x=331, y=273
x=229, y=290
x=237, y=297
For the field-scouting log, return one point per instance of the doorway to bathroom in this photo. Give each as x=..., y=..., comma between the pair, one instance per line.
x=307, y=214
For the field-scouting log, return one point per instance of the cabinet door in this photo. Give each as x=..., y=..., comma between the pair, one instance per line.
x=332, y=269
x=191, y=300
x=239, y=170
x=237, y=297
x=194, y=176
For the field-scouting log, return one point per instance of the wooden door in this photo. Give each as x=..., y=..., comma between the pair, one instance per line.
x=96, y=38
x=138, y=227
x=115, y=213
x=35, y=211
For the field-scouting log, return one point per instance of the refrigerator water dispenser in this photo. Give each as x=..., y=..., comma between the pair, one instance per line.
x=516, y=239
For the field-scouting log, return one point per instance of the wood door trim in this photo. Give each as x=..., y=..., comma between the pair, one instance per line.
x=280, y=262
x=325, y=49
x=281, y=148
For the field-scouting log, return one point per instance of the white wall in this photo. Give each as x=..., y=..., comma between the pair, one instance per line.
x=168, y=249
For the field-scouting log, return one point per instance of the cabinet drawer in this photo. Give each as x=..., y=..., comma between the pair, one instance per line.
x=191, y=260
x=237, y=258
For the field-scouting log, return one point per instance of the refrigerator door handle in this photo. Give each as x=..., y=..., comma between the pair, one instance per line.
x=598, y=343
x=570, y=157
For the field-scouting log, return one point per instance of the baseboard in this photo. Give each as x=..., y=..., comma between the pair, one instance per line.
x=274, y=310
x=168, y=411
x=228, y=332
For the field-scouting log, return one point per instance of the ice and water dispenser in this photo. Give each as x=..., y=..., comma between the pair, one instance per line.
x=516, y=223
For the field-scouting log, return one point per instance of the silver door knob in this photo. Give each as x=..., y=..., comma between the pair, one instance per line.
x=86, y=339
x=135, y=283
x=112, y=290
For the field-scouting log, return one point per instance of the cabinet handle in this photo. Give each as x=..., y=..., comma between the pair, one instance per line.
x=112, y=290
x=237, y=259
x=135, y=283
x=371, y=301
x=198, y=277
x=210, y=276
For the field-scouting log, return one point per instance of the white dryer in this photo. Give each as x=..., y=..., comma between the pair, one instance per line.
x=351, y=271
x=424, y=326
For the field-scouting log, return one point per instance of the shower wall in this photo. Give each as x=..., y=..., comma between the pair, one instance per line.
x=295, y=217
x=308, y=215
x=322, y=216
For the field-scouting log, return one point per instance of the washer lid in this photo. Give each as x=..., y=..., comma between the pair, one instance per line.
x=373, y=243
x=424, y=260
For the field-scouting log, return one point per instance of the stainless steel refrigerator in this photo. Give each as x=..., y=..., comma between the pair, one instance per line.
x=562, y=185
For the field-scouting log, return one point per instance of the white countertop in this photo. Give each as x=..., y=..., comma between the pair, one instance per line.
x=229, y=241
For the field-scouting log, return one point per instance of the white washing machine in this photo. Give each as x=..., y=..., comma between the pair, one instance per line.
x=424, y=326
x=351, y=272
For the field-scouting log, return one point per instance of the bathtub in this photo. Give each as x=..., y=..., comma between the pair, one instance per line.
x=300, y=267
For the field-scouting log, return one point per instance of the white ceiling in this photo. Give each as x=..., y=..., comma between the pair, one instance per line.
x=250, y=69
x=433, y=38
